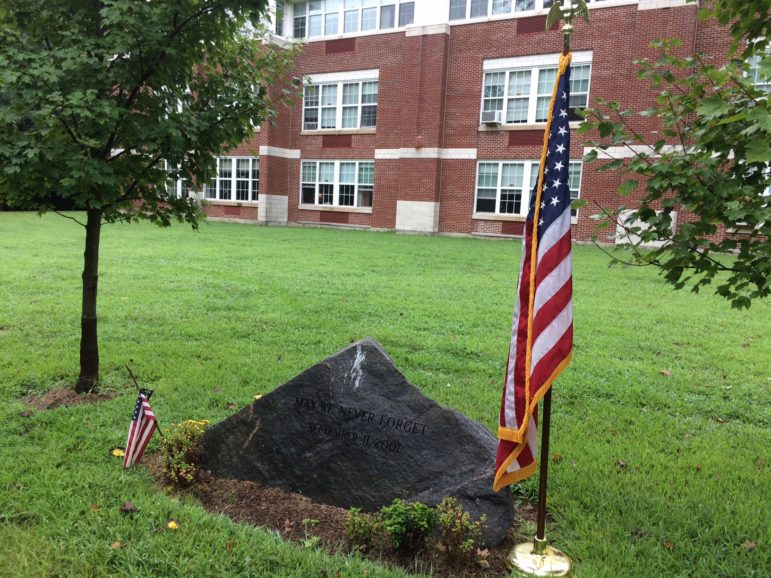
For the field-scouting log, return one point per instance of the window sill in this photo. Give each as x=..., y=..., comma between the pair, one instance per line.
x=327, y=131
x=335, y=208
x=357, y=34
x=498, y=217
x=230, y=203
x=515, y=127
x=513, y=218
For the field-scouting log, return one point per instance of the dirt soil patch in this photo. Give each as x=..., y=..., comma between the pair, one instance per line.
x=65, y=397
x=298, y=518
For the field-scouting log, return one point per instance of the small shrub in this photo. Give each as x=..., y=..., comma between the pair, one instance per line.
x=410, y=526
x=458, y=535
x=362, y=529
x=181, y=446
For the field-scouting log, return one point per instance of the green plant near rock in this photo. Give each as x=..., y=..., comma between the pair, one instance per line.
x=409, y=525
x=363, y=529
x=458, y=535
x=181, y=447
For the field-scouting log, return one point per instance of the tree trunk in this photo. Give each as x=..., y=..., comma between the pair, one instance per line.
x=89, y=346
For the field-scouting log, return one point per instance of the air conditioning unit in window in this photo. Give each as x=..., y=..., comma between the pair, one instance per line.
x=492, y=117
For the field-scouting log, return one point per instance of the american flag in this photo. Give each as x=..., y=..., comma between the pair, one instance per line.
x=140, y=430
x=542, y=331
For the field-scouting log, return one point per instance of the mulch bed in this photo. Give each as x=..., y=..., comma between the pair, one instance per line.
x=65, y=397
x=297, y=518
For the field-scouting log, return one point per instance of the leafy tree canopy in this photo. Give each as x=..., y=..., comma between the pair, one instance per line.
x=100, y=95
x=98, y=98
x=711, y=162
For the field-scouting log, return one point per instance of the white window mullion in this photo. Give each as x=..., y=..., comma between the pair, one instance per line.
x=356, y=185
x=498, y=188
x=336, y=185
x=527, y=178
x=234, y=179
x=317, y=192
x=531, y=104
x=339, y=106
x=359, y=105
x=217, y=179
x=505, y=109
x=249, y=191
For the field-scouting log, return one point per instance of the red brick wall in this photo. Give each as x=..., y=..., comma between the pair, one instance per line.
x=430, y=91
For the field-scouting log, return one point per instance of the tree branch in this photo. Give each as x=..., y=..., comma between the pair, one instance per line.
x=70, y=218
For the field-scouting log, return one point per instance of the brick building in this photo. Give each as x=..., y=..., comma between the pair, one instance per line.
x=428, y=115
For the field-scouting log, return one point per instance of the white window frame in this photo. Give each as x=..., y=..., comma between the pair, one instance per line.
x=536, y=65
x=325, y=10
x=340, y=80
x=753, y=74
x=215, y=193
x=529, y=173
x=176, y=187
x=336, y=184
x=538, y=7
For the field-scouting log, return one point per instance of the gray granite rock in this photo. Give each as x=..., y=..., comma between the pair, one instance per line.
x=352, y=431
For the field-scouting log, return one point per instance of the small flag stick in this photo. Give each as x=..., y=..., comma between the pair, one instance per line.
x=139, y=389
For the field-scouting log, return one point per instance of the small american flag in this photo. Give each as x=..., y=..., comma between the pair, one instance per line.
x=542, y=332
x=140, y=430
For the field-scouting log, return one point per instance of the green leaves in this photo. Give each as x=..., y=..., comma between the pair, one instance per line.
x=96, y=97
x=758, y=152
x=711, y=167
x=627, y=187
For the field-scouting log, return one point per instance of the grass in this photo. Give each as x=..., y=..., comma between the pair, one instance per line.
x=654, y=474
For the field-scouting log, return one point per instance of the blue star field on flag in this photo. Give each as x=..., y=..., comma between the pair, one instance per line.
x=555, y=197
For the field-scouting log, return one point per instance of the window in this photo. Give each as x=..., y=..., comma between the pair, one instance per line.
x=461, y=9
x=504, y=187
x=238, y=179
x=337, y=183
x=340, y=105
x=756, y=77
x=279, y=18
x=333, y=17
x=175, y=187
x=479, y=8
x=406, y=13
x=458, y=9
x=522, y=90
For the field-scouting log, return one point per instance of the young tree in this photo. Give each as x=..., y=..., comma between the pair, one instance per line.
x=106, y=103
x=712, y=162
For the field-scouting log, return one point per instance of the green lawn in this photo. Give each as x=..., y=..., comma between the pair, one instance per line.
x=220, y=315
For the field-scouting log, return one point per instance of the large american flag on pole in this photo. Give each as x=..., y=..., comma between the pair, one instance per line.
x=140, y=430
x=542, y=331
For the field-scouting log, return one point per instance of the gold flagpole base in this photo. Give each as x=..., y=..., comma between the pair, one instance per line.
x=538, y=559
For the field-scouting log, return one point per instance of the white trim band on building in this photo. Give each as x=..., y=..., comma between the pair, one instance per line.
x=580, y=57
x=426, y=153
x=631, y=151
x=279, y=152
x=656, y=4
x=370, y=74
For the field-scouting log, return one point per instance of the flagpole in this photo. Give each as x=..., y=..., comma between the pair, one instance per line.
x=540, y=536
x=537, y=558
x=139, y=389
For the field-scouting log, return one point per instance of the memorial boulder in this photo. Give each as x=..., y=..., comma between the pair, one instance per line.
x=351, y=431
